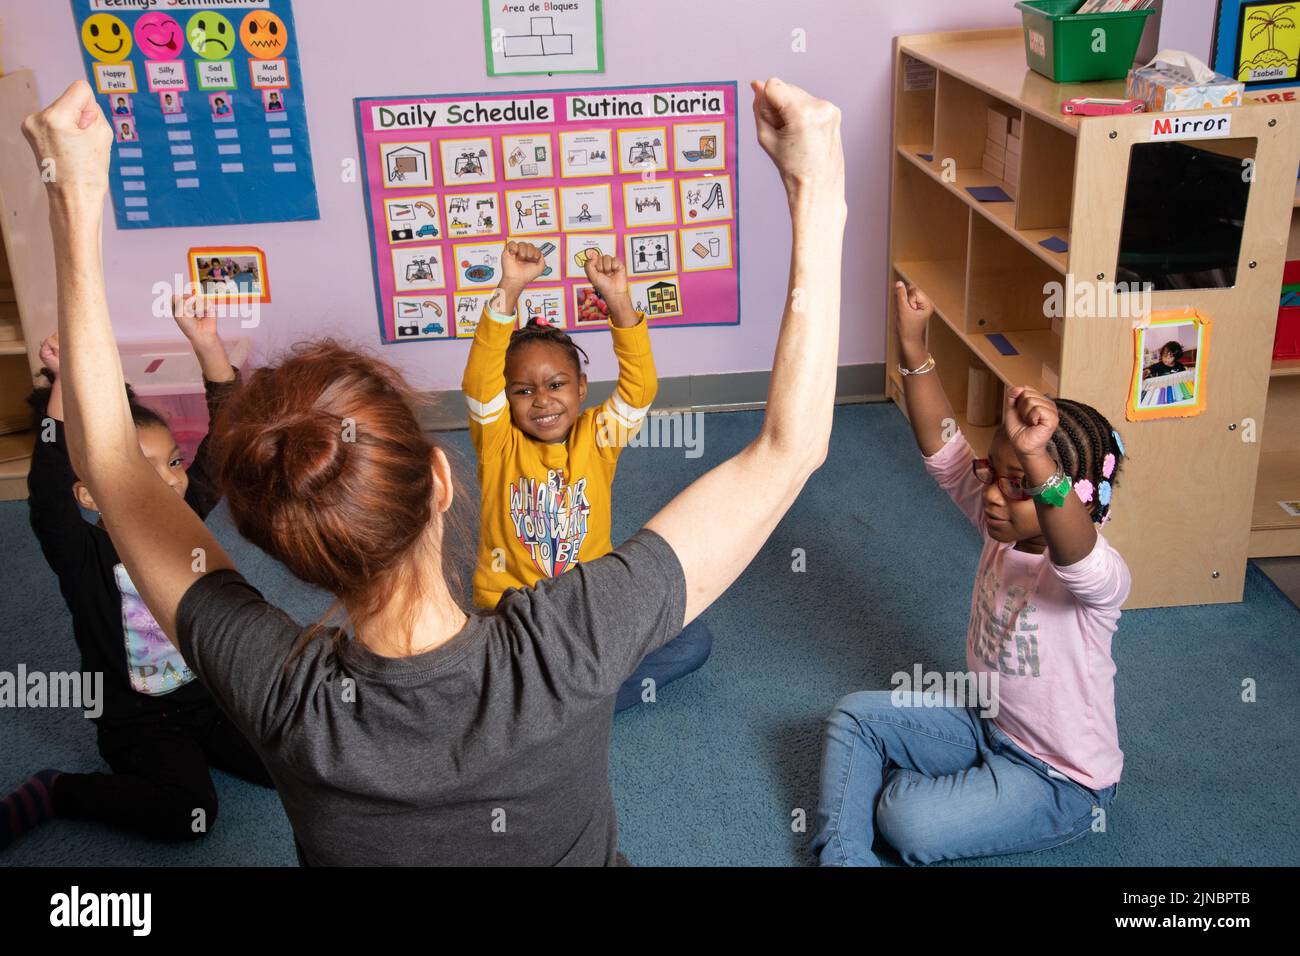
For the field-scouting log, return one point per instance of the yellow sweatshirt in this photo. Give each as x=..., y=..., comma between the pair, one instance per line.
x=546, y=507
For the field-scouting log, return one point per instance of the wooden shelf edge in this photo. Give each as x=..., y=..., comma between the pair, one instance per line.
x=1284, y=367
x=1273, y=543
x=1024, y=237
x=918, y=48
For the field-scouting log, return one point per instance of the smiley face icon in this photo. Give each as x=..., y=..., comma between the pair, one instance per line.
x=106, y=37
x=263, y=35
x=210, y=35
x=159, y=36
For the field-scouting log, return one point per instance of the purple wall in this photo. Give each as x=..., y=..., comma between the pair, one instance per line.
x=1188, y=25
x=320, y=271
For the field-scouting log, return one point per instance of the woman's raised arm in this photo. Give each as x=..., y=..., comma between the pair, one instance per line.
x=163, y=544
x=717, y=525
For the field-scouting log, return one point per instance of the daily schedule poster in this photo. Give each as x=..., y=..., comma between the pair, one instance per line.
x=646, y=173
x=206, y=103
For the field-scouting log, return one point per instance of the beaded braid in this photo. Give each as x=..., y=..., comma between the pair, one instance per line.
x=535, y=331
x=1084, y=443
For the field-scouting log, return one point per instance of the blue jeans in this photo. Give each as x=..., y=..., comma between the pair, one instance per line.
x=685, y=653
x=938, y=783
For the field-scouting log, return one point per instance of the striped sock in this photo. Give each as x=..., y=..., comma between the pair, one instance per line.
x=27, y=807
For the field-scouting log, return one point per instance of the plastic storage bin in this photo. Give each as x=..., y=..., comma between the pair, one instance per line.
x=1286, y=343
x=1060, y=44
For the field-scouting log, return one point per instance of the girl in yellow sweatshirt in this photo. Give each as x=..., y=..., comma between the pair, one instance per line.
x=545, y=467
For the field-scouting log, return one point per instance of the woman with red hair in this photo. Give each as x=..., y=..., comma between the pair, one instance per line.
x=423, y=734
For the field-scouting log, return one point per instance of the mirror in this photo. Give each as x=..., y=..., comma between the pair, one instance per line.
x=1184, y=212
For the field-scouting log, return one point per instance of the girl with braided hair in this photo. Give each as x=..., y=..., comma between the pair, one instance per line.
x=1035, y=763
x=545, y=467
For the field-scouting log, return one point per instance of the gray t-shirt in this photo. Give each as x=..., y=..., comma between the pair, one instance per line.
x=490, y=749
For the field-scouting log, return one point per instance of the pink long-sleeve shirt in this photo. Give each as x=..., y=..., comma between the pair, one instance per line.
x=1046, y=632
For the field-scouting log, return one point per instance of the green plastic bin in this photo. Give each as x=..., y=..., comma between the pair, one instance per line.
x=1061, y=44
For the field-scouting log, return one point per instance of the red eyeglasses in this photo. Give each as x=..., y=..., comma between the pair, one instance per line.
x=1012, y=488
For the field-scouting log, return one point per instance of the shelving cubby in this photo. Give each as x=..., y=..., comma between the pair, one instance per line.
x=1195, y=499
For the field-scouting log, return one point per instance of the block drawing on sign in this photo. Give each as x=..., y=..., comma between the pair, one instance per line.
x=407, y=161
x=540, y=40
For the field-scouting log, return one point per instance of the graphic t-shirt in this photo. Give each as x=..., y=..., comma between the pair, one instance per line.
x=546, y=507
x=1046, y=632
x=153, y=664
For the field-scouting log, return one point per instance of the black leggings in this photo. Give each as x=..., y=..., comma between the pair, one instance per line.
x=160, y=777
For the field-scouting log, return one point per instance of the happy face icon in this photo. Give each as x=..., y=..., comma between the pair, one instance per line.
x=210, y=35
x=159, y=36
x=106, y=37
x=263, y=35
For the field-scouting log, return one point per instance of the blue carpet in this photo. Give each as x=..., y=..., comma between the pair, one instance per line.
x=718, y=770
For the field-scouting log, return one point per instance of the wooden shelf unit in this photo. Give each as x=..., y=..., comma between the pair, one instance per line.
x=1194, y=500
x=27, y=300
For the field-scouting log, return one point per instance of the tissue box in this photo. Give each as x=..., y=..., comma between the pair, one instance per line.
x=1166, y=88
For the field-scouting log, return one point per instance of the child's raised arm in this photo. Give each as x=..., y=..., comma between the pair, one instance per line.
x=928, y=408
x=716, y=526
x=196, y=317
x=1030, y=420
x=625, y=410
x=51, y=503
x=484, y=383
x=163, y=544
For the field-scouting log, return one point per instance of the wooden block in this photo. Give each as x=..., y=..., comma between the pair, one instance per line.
x=1015, y=127
x=993, y=167
x=999, y=126
x=1051, y=379
x=1013, y=145
x=993, y=151
x=982, y=398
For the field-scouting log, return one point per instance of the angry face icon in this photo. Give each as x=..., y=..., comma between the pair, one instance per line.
x=263, y=35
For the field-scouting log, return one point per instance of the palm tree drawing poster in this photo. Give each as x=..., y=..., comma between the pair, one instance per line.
x=1258, y=42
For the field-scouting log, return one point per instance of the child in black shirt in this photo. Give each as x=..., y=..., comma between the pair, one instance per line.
x=1171, y=355
x=159, y=729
